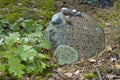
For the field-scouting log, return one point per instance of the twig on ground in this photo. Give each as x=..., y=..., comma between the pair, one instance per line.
x=99, y=74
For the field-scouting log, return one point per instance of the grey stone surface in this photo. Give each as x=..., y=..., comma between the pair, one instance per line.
x=56, y=19
x=79, y=32
x=79, y=13
x=66, y=11
x=65, y=54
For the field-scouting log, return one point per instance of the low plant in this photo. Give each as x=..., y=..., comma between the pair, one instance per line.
x=21, y=43
x=18, y=56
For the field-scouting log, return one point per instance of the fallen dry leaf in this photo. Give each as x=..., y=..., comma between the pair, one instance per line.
x=109, y=76
x=68, y=74
x=117, y=66
x=91, y=60
x=76, y=72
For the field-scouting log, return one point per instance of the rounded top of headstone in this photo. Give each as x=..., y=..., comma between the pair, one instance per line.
x=78, y=30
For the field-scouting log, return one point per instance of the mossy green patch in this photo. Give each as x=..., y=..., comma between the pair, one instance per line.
x=90, y=76
x=47, y=7
x=108, y=17
x=27, y=9
x=118, y=5
x=13, y=17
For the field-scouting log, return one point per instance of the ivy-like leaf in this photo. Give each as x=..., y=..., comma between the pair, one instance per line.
x=28, y=23
x=9, y=40
x=30, y=68
x=5, y=21
x=27, y=52
x=42, y=56
x=45, y=45
x=1, y=16
x=38, y=67
x=16, y=67
x=43, y=65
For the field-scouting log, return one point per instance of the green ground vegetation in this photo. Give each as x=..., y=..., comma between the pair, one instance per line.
x=35, y=9
x=22, y=42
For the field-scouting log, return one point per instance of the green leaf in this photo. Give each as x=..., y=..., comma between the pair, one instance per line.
x=30, y=68
x=42, y=56
x=45, y=45
x=38, y=68
x=43, y=65
x=9, y=40
x=16, y=67
x=2, y=67
x=15, y=26
x=28, y=23
x=27, y=52
x=5, y=21
x=1, y=16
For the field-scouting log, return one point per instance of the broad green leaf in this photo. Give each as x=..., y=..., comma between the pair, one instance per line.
x=15, y=26
x=43, y=56
x=2, y=67
x=16, y=67
x=9, y=40
x=5, y=21
x=1, y=16
x=28, y=23
x=38, y=68
x=45, y=45
x=43, y=65
x=5, y=54
x=30, y=68
x=27, y=52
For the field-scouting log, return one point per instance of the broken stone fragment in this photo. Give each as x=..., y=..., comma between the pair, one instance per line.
x=74, y=11
x=66, y=11
x=91, y=60
x=65, y=55
x=79, y=13
x=56, y=19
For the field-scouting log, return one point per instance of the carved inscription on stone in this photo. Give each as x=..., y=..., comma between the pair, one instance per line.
x=83, y=34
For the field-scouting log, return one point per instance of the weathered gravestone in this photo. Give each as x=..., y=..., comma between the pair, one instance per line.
x=76, y=30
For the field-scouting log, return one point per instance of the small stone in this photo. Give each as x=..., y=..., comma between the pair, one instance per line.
x=56, y=19
x=66, y=11
x=92, y=60
x=79, y=13
x=109, y=76
x=74, y=11
x=113, y=59
x=76, y=72
x=98, y=30
x=108, y=24
x=109, y=48
x=67, y=17
x=109, y=70
x=59, y=70
x=68, y=75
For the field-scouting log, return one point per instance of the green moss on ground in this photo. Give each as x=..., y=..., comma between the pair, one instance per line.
x=35, y=9
x=111, y=15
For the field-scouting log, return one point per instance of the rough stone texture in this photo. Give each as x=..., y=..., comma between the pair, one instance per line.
x=60, y=54
x=80, y=32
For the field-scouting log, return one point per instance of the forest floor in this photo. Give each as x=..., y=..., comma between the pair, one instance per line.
x=103, y=66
